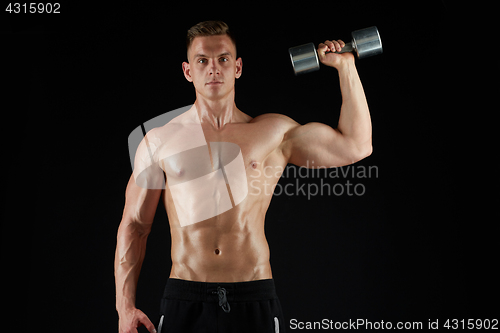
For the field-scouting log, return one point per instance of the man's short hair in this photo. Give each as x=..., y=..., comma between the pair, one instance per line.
x=208, y=28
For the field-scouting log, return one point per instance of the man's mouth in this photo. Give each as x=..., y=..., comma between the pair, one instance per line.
x=214, y=83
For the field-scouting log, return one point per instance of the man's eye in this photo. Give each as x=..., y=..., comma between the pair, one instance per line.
x=202, y=61
x=223, y=59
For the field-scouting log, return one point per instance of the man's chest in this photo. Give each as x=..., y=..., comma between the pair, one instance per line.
x=210, y=175
x=247, y=145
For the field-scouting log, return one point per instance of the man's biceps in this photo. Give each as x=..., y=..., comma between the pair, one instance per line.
x=140, y=201
x=312, y=135
x=151, y=178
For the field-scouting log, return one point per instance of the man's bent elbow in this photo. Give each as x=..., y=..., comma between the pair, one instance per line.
x=362, y=152
x=368, y=150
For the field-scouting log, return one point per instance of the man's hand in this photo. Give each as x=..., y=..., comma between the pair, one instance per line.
x=333, y=59
x=131, y=319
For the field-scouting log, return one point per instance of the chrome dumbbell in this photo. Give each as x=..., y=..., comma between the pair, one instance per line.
x=365, y=43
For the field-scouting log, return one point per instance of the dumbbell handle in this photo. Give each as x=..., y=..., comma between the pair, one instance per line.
x=347, y=48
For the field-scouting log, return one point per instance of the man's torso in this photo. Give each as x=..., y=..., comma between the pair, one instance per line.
x=231, y=246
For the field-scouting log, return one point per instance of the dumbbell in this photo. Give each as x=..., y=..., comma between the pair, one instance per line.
x=365, y=43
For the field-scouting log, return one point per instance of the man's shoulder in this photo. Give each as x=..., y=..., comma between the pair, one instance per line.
x=275, y=119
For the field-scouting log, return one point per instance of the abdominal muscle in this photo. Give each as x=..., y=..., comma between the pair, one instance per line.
x=230, y=247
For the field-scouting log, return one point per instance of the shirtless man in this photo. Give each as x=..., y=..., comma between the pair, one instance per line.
x=220, y=266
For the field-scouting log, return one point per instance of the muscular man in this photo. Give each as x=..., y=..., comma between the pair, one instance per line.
x=221, y=279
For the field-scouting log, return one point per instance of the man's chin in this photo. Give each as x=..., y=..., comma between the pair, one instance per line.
x=214, y=94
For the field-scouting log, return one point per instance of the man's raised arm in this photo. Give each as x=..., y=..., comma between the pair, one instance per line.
x=351, y=141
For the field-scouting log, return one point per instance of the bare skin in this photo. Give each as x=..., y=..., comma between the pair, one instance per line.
x=232, y=247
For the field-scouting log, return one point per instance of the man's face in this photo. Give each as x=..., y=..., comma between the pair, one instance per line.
x=212, y=66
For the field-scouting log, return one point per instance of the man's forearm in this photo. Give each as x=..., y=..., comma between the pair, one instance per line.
x=354, y=122
x=130, y=252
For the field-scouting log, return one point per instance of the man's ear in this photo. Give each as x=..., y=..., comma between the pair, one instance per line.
x=187, y=71
x=239, y=67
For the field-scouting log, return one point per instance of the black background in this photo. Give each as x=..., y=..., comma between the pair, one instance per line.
x=417, y=245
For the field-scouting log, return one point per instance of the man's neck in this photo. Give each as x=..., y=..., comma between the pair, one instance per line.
x=216, y=113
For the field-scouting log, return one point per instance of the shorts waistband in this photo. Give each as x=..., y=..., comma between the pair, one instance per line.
x=257, y=290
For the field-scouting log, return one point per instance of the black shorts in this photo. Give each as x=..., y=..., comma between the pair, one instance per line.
x=240, y=307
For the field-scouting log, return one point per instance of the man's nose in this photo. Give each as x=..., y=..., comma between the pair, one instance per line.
x=214, y=67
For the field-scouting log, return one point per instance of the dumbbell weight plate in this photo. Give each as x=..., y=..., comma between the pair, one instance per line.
x=367, y=42
x=304, y=58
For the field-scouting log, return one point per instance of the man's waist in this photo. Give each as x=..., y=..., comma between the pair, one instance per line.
x=235, y=291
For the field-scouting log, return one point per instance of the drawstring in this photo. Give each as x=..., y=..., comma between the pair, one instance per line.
x=222, y=299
